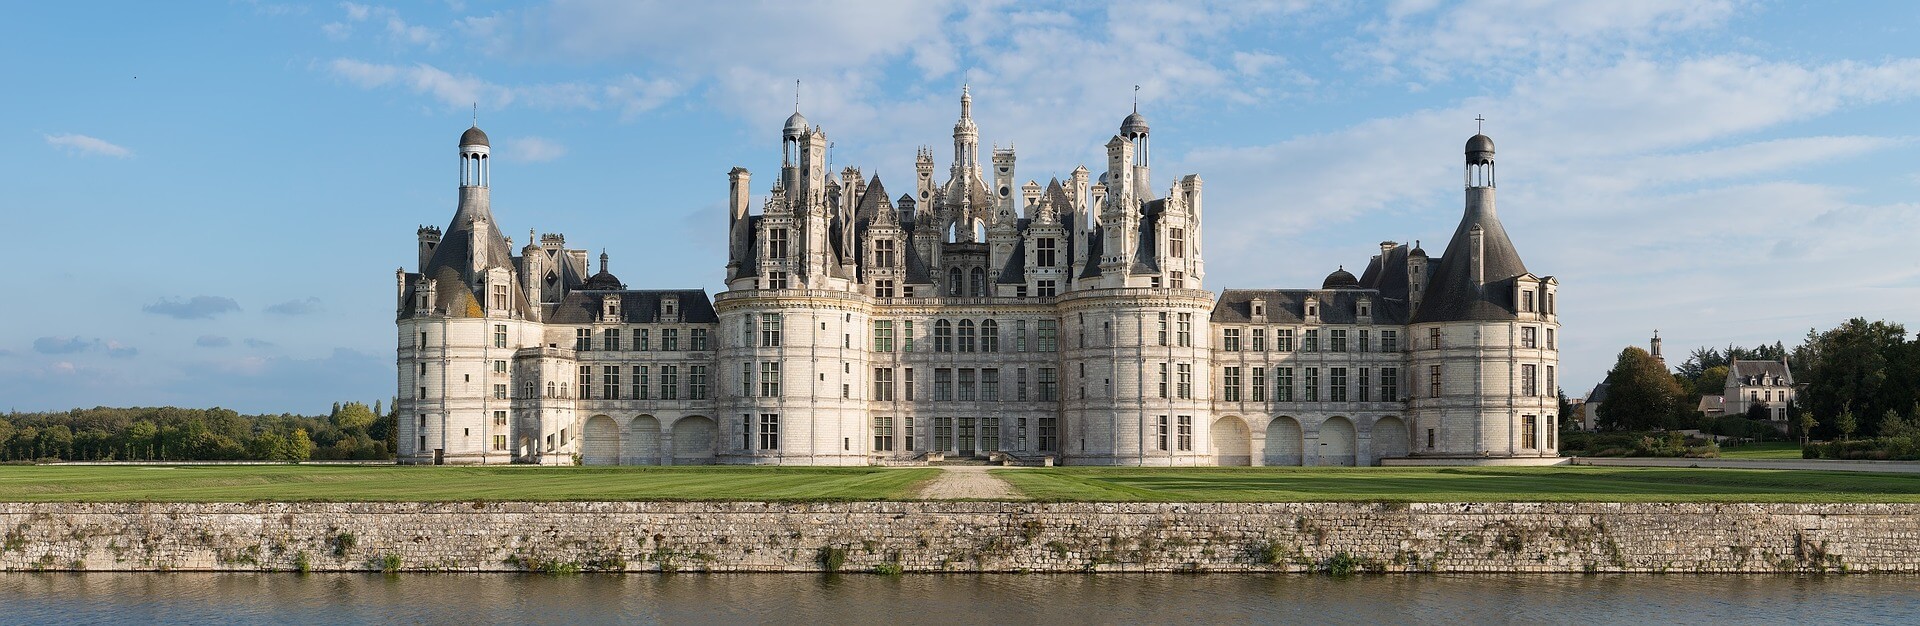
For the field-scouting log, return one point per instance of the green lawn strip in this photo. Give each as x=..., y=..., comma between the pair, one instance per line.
x=434, y=484
x=1762, y=450
x=1556, y=484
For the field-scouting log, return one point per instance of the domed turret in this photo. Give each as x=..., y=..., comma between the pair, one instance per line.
x=1134, y=126
x=474, y=137
x=796, y=125
x=1480, y=143
x=1340, y=279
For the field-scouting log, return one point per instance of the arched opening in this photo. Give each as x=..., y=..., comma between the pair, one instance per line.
x=1390, y=438
x=955, y=281
x=1284, y=442
x=693, y=441
x=1336, y=442
x=1232, y=444
x=953, y=232
x=600, y=443
x=643, y=442
x=978, y=283
x=979, y=230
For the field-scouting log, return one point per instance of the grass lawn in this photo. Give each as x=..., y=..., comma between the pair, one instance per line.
x=1762, y=450
x=296, y=483
x=1524, y=484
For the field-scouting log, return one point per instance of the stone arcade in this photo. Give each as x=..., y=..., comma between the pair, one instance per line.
x=971, y=317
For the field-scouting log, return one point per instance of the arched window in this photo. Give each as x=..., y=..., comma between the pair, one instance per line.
x=942, y=336
x=966, y=335
x=979, y=282
x=989, y=336
x=954, y=281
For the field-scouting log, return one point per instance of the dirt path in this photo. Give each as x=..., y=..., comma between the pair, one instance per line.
x=968, y=482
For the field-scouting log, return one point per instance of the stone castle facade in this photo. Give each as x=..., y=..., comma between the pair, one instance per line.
x=971, y=317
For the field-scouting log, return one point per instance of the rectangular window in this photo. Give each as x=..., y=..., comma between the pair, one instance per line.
x=1177, y=242
x=1551, y=390
x=1259, y=340
x=1049, y=434
x=1337, y=340
x=1429, y=439
x=746, y=379
x=1390, y=384
x=642, y=339
x=1049, y=336
x=586, y=381
x=500, y=336
x=611, y=340
x=1362, y=387
x=1550, y=339
x=746, y=431
x=882, y=433
x=776, y=244
x=1433, y=381
x=883, y=288
x=770, y=330
x=906, y=335
x=696, y=382
x=1185, y=433
x=1529, y=430
x=883, y=254
x=582, y=339
x=770, y=379
x=883, y=335
x=1165, y=379
x=669, y=382
x=1230, y=339
x=1259, y=379
x=1433, y=338
x=990, y=385
x=500, y=297
x=1230, y=384
x=1528, y=385
x=1526, y=300
x=990, y=434
x=1020, y=384
x=943, y=433
x=499, y=392
x=1362, y=345
x=1389, y=341
x=1176, y=279
x=1283, y=384
x=966, y=385
x=1528, y=338
x=943, y=384
x=1163, y=329
x=1160, y=433
x=1019, y=335
x=1310, y=340
x=1185, y=329
x=906, y=385
x=1046, y=288
x=1044, y=252
x=769, y=431
x=610, y=381
x=1310, y=391
x=500, y=367
x=700, y=339
x=1337, y=384
x=883, y=384
x=942, y=336
x=1049, y=390
x=1283, y=339
x=906, y=425
x=1183, y=387
x=499, y=442
x=641, y=385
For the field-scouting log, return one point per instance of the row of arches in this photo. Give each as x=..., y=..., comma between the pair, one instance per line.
x=1335, y=441
x=643, y=440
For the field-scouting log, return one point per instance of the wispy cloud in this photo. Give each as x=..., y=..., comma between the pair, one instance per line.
x=195, y=308
x=303, y=306
x=82, y=145
x=212, y=341
x=532, y=149
x=75, y=345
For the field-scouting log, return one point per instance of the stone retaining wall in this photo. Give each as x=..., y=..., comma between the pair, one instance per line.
x=961, y=537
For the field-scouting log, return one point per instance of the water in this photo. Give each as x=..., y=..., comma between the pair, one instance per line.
x=1456, y=600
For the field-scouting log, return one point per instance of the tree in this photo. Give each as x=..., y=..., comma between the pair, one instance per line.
x=1845, y=424
x=353, y=416
x=1712, y=380
x=298, y=447
x=1759, y=411
x=1641, y=394
x=1857, y=366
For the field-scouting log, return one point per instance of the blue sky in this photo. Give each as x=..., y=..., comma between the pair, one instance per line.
x=207, y=201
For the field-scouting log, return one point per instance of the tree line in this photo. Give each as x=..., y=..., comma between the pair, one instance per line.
x=351, y=431
x=1860, y=378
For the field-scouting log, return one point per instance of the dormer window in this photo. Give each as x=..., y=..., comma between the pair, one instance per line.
x=610, y=307
x=1526, y=300
x=670, y=309
x=1259, y=308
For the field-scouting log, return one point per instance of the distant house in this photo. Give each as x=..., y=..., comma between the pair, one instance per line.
x=1590, y=411
x=1768, y=384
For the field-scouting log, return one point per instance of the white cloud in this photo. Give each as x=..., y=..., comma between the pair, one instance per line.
x=532, y=149
x=1482, y=36
x=398, y=30
x=82, y=145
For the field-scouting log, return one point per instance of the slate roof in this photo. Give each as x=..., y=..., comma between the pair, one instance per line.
x=1742, y=369
x=1451, y=295
x=1289, y=306
x=451, y=268
x=1599, y=393
x=640, y=306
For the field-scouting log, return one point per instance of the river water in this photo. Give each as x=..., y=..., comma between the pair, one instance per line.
x=1456, y=600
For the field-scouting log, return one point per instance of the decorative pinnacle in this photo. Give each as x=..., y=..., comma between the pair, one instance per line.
x=1136, y=98
x=796, y=95
x=476, y=115
x=1478, y=122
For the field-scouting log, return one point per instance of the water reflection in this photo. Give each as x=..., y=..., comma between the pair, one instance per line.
x=1072, y=599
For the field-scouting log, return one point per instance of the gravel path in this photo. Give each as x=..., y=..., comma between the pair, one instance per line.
x=968, y=482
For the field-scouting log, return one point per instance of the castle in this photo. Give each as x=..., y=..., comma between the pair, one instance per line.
x=969, y=318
